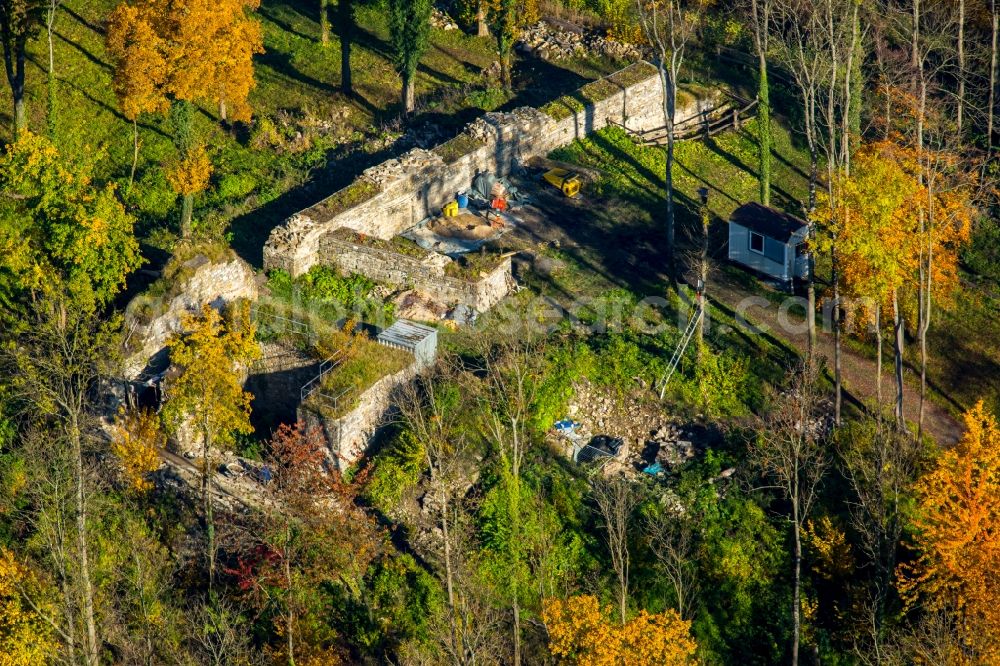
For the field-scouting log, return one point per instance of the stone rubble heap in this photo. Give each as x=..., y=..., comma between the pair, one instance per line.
x=648, y=434
x=442, y=21
x=552, y=43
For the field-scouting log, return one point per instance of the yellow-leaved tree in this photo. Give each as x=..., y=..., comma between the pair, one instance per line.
x=169, y=53
x=957, y=526
x=206, y=400
x=137, y=439
x=25, y=638
x=583, y=633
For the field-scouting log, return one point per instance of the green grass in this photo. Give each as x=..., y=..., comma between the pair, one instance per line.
x=366, y=362
x=309, y=139
x=457, y=148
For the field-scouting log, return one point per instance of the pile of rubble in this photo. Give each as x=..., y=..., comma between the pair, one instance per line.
x=649, y=439
x=442, y=21
x=551, y=43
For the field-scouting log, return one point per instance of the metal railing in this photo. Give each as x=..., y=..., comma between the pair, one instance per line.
x=316, y=383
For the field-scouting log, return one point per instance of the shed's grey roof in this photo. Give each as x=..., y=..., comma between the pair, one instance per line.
x=768, y=221
x=405, y=333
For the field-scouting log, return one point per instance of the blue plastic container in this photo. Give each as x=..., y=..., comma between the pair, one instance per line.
x=463, y=200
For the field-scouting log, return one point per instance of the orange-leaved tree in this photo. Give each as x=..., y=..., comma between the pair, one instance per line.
x=872, y=216
x=583, y=633
x=206, y=400
x=184, y=52
x=957, y=525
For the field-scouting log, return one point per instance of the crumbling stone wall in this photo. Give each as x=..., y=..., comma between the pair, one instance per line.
x=348, y=437
x=151, y=320
x=401, y=192
x=427, y=275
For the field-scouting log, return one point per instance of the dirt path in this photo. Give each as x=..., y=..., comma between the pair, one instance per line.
x=857, y=372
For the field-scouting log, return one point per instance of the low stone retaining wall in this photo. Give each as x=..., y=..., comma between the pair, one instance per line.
x=348, y=436
x=426, y=275
x=395, y=195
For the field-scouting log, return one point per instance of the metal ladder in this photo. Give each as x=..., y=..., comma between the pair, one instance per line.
x=681, y=347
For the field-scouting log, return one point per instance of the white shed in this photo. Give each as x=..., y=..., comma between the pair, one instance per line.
x=769, y=241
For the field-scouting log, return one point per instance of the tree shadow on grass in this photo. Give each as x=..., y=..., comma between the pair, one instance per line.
x=84, y=52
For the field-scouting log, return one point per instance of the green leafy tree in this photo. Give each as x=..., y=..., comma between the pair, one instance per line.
x=409, y=29
x=207, y=399
x=59, y=229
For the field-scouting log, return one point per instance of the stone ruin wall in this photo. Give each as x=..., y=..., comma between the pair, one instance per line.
x=417, y=184
x=348, y=436
x=422, y=275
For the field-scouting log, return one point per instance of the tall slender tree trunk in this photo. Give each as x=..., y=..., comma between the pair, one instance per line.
x=764, y=127
x=289, y=611
x=797, y=592
x=409, y=93
x=878, y=355
x=91, y=654
x=810, y=113
x=14, y=60
x=960, y=110
x=135, y=155
x=837, y=364
x=206, y=506
x=851, y=114
x=899, y=333
x=324, y=22
x=51, y=111
x=669, y=115
x=187, y=213
x=482, y=27
x=345, y=14
x=991, y=106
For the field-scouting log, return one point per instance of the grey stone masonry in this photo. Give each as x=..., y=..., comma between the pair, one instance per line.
x=395, y=195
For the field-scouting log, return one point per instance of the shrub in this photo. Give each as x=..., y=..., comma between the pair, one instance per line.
x=397, y=469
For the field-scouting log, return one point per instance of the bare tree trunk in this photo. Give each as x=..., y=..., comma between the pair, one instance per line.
x=289, y=611
x=761, y=10
x=345, y=12
x=324, y=22
x=223, y=112
x=91, y=654
x=898, y=352
x=482, y=27
x=409, y=93
x=991, y=110
x=960, y=111
x=878, y=355
x=669, y=114
x=50, y=20
x=797, y=593
x=135, y=155
x=839, y=397
x=207, y=508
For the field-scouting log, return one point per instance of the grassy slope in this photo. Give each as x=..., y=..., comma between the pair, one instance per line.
x=298, y=83
x=965, y=356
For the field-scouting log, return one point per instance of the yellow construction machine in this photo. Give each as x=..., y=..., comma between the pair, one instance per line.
x=564, y=180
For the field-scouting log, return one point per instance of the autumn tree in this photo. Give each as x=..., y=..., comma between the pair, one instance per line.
x=25, y=637
x=409, y=29
x=54, y=370
x=137, y=440
x=583, y=633
x=870, y=215
x=616, y=499
x=19, y=22
x=957, y=522
x=309, y=535
x=791, y=454
x=206, y=400
x=58, y=230
x=180, y=54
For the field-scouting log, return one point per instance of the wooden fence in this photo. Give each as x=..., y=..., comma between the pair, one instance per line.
x=731, y=114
